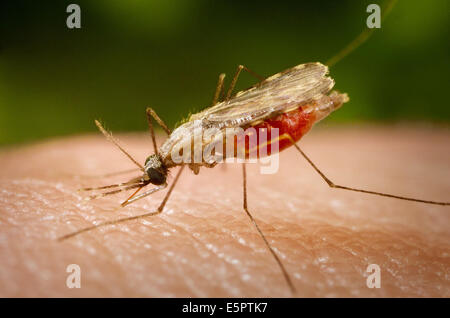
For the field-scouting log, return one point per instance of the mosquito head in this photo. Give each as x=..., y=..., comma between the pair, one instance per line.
x=155, y=171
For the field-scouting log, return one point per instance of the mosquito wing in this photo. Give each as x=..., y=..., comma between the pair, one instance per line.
x=277, y=94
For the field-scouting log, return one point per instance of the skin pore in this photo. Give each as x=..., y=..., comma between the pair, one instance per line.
x=204, y=245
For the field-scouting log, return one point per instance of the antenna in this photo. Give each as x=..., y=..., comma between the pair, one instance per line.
x=110, y=137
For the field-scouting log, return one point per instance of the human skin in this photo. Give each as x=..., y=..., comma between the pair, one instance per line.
x=203, y=244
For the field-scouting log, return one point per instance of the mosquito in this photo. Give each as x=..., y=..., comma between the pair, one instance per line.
x=292, y=101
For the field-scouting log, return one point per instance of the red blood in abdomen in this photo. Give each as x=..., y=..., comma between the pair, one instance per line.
x=296, y=123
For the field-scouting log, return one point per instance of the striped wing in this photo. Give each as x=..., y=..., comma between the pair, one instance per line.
x=277, y=94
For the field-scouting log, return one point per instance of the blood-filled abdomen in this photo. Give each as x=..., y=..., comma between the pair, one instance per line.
x=276, y=133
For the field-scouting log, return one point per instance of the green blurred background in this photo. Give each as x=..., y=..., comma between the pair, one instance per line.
x=168, y=54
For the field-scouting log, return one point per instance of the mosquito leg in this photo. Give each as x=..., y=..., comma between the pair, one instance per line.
x=158, y=211
x=331, y=184
x=219, y=88
x=152, y=133
x=120, y=189
x=277, y=259
x=235, y=78
x=135, y=197
x=152, y=114
x=362, y=37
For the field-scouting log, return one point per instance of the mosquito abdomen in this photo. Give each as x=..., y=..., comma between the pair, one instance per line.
x=292, y=125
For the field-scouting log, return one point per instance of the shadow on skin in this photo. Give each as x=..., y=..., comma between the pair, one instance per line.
x=203, y=243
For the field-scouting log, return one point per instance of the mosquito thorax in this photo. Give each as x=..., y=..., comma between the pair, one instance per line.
x=155, y=171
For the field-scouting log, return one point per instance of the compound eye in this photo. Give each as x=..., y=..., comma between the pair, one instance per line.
x=156, y=177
